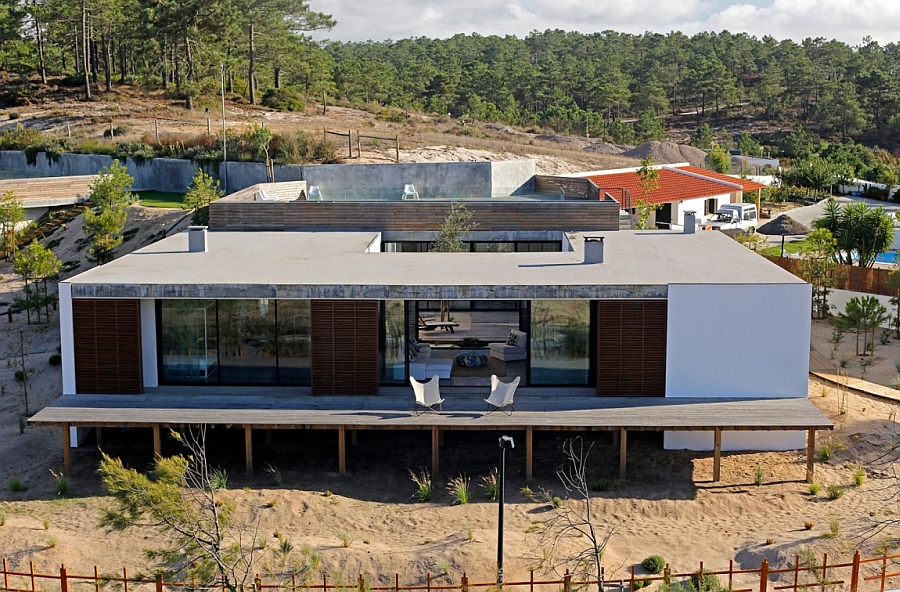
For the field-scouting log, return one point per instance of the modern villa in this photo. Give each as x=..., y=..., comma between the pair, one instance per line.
x=299, y=313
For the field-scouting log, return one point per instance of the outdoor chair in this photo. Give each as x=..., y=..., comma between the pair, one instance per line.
x=431, y=325
x=502, y=394
x=428, y=394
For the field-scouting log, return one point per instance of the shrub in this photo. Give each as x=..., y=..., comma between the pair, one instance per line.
x=557, y=501
x=283, y=99
x=346, y=539
x=491, y=485
x=135, y=150
x=391, y=115
x=274, y=474
x=14, y=115
x=424, y=485
x=218, y=479
x=825, y=451
x=20, y=138
x=814, y=488
x=835, y=492
x=55, y=359
x=527, y=493
x=859, y=476
x=60, y=483
x=760, y=477
x=2, y=517
x=459, y=489
x=654, y=564
x=704, y=581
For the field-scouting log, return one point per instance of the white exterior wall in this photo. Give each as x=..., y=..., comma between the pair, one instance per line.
x=148, y=343
x=66, y=339
x=771, y=441
x=746, y=340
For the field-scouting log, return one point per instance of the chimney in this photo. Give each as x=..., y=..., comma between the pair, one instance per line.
x=690, y=222
x=197, y=239
x=593, y=249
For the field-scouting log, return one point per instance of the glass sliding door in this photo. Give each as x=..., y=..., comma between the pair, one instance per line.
x=560, y=342
x=188, y=341
x=247, y=346
x=293, y=342
x=393, y=342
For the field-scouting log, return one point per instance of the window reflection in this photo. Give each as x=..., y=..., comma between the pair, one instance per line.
x=188, y=341
x=560, y=342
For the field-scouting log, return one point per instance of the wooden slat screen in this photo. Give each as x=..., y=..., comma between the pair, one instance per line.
x=107, y=336
x=344, y=347
x=631, y=344
x=412, y=215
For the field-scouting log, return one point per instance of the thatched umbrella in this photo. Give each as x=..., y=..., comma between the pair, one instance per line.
x=783, y=226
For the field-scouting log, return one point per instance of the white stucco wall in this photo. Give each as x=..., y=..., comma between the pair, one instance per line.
x=744, y=340
x=66, y=338
x=148, y=343
x=774, y=440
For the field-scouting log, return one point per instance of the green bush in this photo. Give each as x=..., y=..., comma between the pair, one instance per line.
x=135, y=150
x=283, y=99
x=20, y=138
x=55, y=359
x=704, y=581
x=654, y=564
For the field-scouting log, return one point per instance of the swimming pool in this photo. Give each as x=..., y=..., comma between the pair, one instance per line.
x=888, y=257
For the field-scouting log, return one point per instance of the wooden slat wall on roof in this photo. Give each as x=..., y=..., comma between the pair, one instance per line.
x=344, y=347
x=107, y=335
x=412, y=215
x=631, y=344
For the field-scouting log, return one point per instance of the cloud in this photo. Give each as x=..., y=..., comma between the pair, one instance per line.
x=845, y=20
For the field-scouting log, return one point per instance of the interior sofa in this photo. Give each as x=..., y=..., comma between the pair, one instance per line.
x=512, y=349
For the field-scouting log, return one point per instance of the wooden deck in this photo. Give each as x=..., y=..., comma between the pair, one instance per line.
x=459, y=412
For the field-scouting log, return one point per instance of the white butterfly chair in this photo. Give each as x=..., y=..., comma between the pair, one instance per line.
x=428, y=394
x=502, y=395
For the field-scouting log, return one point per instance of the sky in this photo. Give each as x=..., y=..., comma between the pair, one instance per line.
x=845, y=20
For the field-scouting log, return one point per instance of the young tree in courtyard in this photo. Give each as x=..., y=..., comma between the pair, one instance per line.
x=203, y=191
x=819, y=268
x=36, y=264
x=864, y=314
x=12, y=212
x=105, y=220
x=648, y=178
x=457, y=224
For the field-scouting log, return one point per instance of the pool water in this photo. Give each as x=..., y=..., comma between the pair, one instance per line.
x=888, y=257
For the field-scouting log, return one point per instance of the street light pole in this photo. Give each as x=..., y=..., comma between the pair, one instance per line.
x=506, y=443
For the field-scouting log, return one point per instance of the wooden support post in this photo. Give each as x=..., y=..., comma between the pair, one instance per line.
x=248, y=448
x=157, y=442
x=67, y=450
x=615, y=438
x=529, y=453
x=397, y=147
x=623, y=449
x=268, y=437
x=342, y=450
x=435, y=447
x=854, y=574
x=764, y=575
x=350, y=143
x=810, y=455
x=99, y=437
x=353, y=435
x=717, y=455
x=63, y=579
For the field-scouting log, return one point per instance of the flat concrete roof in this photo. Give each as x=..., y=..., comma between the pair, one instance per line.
x=637, y=264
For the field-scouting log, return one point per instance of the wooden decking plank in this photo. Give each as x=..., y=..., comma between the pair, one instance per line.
x=460, y=413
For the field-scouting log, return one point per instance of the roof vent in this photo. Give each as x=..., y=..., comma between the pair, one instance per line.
x=197, y=239
x=690, y=222
x=593, y=249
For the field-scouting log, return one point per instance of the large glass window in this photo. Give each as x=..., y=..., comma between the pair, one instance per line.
x=188, y=341
x=293, y=342
x=258, y=341
x=393, y=356
x=247, y=348
x=560, y=342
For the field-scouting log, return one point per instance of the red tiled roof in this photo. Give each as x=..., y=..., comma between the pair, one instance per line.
x=747, y=184
x=675, y=184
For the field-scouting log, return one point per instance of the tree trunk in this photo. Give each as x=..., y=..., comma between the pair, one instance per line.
x=164, y=66
x=123, y=63
x=277, y=77
x=40, y=43
x=251, y=68
x=84, y=52
x=107, y=61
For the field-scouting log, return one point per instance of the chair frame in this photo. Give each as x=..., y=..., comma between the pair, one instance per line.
x=511, y=386
x=421, y=391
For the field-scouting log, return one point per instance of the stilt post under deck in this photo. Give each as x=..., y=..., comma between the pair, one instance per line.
x=717, y=454
x=342, y=450
x=435, y=448
x=248, y=448
x=67, y=449
x=529, y=453
x=810, y=455
x=623, y=451
x=98, y=433
x=157, y=442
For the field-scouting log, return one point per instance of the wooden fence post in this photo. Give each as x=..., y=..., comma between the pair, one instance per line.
x=796, y=572
x=125, y=577
x=159, y=581
x=350, y=143
x=360, y=583
x=397, y=146
x=883, y=568
x=63, y=579
x=567, y=582
x=854, y=574
x=764, y=575
x=631, y=582
x=464, y=583
x=427, y=582
x=824, y=567
x=257, y=583
x=5, y=575
x=34, y=589
x=96, y=579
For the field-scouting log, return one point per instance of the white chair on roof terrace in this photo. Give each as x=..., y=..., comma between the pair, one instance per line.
x=428, y=394
x=502, y=394
x=409, y=192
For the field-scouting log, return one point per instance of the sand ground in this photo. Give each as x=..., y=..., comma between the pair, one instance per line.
x=667, y=506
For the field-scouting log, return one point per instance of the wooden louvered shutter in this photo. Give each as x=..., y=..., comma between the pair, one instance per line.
x=344, y=347
x=631, y=348
x=107, y=336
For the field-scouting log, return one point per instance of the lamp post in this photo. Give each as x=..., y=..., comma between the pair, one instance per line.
x=506, y=443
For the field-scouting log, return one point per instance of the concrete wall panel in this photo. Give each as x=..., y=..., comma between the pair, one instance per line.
x=731, y=441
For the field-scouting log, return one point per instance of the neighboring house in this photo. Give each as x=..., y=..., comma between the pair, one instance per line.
x=614, y=333
x=682, y=188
